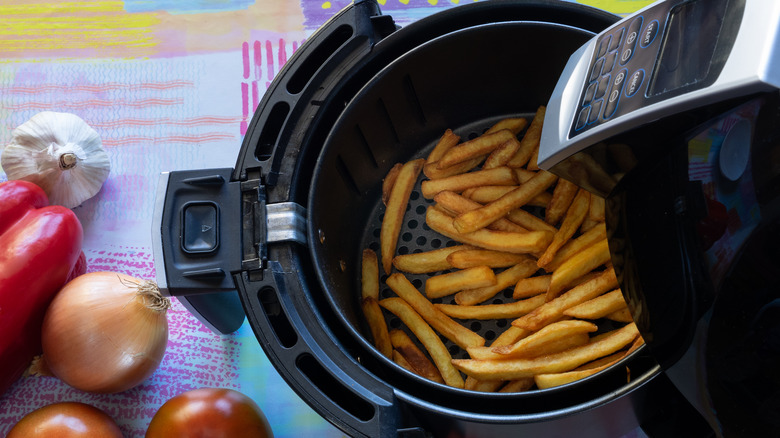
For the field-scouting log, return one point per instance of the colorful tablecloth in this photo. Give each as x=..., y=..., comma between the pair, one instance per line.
x=168, y=85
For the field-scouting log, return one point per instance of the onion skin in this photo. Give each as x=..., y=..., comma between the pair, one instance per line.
x=66, y=420
x=101, y=336
x=209, y=413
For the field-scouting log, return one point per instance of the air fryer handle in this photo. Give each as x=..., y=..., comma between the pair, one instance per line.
x=312, y=362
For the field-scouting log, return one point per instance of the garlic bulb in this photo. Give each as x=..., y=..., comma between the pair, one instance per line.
x=60, y=153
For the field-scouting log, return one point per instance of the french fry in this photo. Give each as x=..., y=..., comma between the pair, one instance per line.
x=403, y=363
x=482, y=145
x=533, y=161
x=502, y=154
x=473, y=384
x=598, y=307
x=377, y=325
x=492, y=311
x=597, y=209
x=595, y=234
x=531, y=286
x=369, y=279
x=456, y=204
x=427, y=337
x=389, y=181
x=514, y=124
x=504, y=279
x=553, y=310
x=438, y=320
x=550, y=339
x=427, y=261
x=476, y=219
x=485, y=194
x=507, y=337
x=469, y=258
x=571, y=222
x=523, y=175
x=417, y=360
x=622, y=315
x=458, y=183
x=395, y=210
x=529, y=221
x=530, y=141
x=588, y=224
x=544, y=381
x=519, y=385
x=577, y=266
x=447, y=141
x=470, y=278
x=562, y=197
x=432, y=171
x=511, y=369
x=614, y=357
x=521, y=243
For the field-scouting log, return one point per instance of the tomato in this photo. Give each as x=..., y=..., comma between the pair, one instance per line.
x=66, y=420
x=209, y=413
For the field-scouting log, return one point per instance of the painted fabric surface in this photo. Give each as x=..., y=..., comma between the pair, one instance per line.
x=168, y=85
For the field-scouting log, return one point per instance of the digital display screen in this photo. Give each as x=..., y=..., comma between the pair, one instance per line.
x=689, y=43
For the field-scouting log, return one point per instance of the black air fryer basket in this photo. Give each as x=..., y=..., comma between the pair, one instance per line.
x=290, y=221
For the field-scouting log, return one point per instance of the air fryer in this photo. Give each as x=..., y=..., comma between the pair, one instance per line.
x=277, y=239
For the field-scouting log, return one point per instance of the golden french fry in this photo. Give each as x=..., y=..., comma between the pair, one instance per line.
x=553, y=310
x=544, y=381
x=588, y=224
x=369, y=279
x=598, y=307
x=551, y=338
x=533, y=161
x=571, y=222
x=395, y=210
x=485, y=194
x=523, y=175
x=622, y=315
x=595, y=234
x=473, y=384
x=507, y=337
x=389, y=181
x=427, y=261
x=562, y=197
x=529, y=221
x=578, y=265
x=403, y=363
x=458, y=183
x=502, y=154
x=514, y=124
x=531, y=286
x=482, y=145
x=456, y=204
x=504, y=279
x=479, y=218
x=521, y=243
x=511, y=369
x=377, y=325
x=432, y=171
x=447, y=141
x=614, y=357
x=530, y=141
x=519, y=385
x=597, y=208
x=427, y=337
x=438, y=320
x=417, y=360
x=492, y=311
x=469, y=258
x=470, y=278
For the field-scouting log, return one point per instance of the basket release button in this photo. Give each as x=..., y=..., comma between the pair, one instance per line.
x=200, y=224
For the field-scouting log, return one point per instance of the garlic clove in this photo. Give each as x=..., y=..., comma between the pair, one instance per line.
x=59, y=152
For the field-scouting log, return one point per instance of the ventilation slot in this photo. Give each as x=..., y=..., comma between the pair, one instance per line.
x=270, y=133
x=272, y=309
x=336, y=392
x=314, y=60
x=414, y=100
x=346, y=175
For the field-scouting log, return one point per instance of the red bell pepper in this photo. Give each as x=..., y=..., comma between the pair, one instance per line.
x=39, y=247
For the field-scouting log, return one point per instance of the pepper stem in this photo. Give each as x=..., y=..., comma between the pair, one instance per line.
x=68, y=160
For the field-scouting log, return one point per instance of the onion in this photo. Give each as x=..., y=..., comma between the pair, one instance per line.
x=105, y=332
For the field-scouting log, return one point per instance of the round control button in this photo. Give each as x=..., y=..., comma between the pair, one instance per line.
x=635, y=82
x=648, y=36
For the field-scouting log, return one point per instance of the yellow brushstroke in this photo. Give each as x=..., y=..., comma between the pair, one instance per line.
x=622, y=7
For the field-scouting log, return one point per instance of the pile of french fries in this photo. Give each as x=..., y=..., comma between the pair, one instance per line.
x=568, y=316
